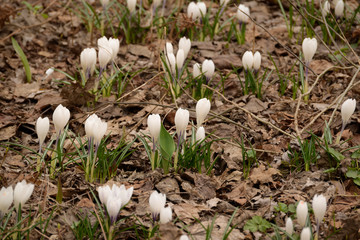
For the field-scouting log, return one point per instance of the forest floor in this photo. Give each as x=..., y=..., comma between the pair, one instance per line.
x=266, y=178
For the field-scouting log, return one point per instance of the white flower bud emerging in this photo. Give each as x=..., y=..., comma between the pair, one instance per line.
x=104, y=193
x=208, y=68
x=6, y=199
x=154, y=124
x=180, y=58
x=202, y=8
x=193, y=11
x=305, y=234
x=181, y=122
x=202, y=109
x=242, y=13
x=289, y=227
x=22, y=193
x=113, y=206
x=168, y=48
x=185, y=44
x=257, y=61
x=42, y=128
x=319, y=207
x=123, y=193
x=88, y=60
x=326, y=8
x=200, y=134
x=347, y=109
x=339, y=9
x=248, y=60
x=165, y=215
x=131, y=4
x=115, y=45
x=100, y=128
x=309, y=47
x=302, y=213
x=61, y=117
x=171, y=62
x=184, y=237
x=157, y=202
x=49, y=72
x=105, y=52
x=90, y=125
x=104, y=2
x=196, y=70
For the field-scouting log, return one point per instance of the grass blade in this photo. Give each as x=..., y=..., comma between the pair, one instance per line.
x=23, y=58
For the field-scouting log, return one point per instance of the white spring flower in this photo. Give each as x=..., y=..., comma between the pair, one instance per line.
x=22, y=193
x=61, y=117
x=309, y=47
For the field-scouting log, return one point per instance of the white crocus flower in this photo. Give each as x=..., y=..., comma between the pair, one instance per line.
x=115, y=45
x=185, y=44
x=319, y=207
x=22, y=193
x=61, y=117
x=248, y=60
x=131, y=4
x=257, y=61
x=200, y=134
x=165, y=215
x=347, y=109
x=289, y=226
x=168, y=48
x=88, y=61
x=202, y=8
x=309, y=47
x=326, y=8
x=157, y=202
x=305, y=234
x=181, y=122
x=208, y=68
x=302, y=213
x=202, y=110
x=196, y=70
x=339, y=9
x=105, y=52
x=6, y=199
x=180, y=58
x=243, y=13
x=193, y=11
x=42, y=128
x=113, y=206
x=154, y=125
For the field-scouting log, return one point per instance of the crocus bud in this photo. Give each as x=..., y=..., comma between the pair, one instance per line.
x=157, y=202
x=208, y=68
x=180, y=58
x=224, y=2
x=193, y=11
x=115, y=45
x=196, y=70
x=90, y=125
x=61, y=117
x=301, y=213
x=99, y=131
x=289, y=227
x=49, y=72
x=248, y=60
x=184, y=237
x=6, y=199
x=168, y=48
x=88, y=60
x=339, y=9
x=242, y=13
x=202, y=109
x=171, y=62
x=22, y=193
x=202, y=8
x=326, y=8
x=257, y=61
x=200, y=134
x=42, y=128
x=131, y=4
x=309, y=47
x=347, y=109
x=154, y=124
x=305, y=234
x=113, y=206
x=165, y=215
x=319, y=207
x=105, y=52
x=181, y=122
x=185, y=44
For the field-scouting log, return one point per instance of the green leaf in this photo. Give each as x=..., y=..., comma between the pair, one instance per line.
x=292, y=208
x=357, y=181
x=355, y=154
x=352, y=173
x=257, y=223
x=336, y=154
x=23, y=58
x=167, y=144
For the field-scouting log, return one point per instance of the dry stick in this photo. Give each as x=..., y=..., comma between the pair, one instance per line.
x=327, y=108
x=276, y=40
x=343, y=94
x=320, y=38
x=251, y=114
x=38, y=24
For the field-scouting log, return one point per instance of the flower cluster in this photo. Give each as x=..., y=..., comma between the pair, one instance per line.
x=20, y=195
x=157, y=203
